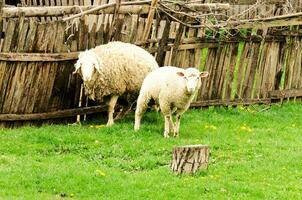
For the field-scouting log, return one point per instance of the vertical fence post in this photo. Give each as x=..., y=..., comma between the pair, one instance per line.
x=149, y=20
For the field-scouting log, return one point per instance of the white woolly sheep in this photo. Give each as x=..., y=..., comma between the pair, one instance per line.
x=173, y=89
x=112, y=70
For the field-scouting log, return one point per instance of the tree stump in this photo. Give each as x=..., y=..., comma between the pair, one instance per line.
x=190, y=158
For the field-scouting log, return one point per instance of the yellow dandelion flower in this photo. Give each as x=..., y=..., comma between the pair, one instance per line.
x=100, y=172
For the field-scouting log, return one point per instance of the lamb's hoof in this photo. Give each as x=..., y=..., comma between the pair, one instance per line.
x=175, y=135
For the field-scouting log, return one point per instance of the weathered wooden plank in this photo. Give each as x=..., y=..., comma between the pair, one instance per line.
x=220, y=102
x=49, y=11
x=210, y=67
x=29, y=68
x=241, y=70
x=250, y=71
x=7, y=69
x=46, y=85
x=92, y=37
x=269, y=69
x=20, y=73
x=223, y=76
x=275, y=22
x=231, y=70
x=247, y=2
x=52, y=115
x=37, y=79
x=279, y=94
x=281, y=63
x=218, y=76
x=297, y=64
x=35, y=57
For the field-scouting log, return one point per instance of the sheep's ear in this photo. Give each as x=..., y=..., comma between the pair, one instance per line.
x=77, y=67
x=98, y=65
x=180, y=74
x=204, y=74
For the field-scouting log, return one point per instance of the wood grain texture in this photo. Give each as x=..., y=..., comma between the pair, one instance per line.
x=190, y=159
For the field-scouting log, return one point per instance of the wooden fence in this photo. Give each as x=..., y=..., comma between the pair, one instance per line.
x=253, y=65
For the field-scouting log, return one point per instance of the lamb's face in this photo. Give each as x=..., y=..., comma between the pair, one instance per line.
x=86, y=65
x=192, y=79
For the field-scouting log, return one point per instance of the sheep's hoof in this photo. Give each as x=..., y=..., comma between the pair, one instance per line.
x=75, y=124
x=109, y=123
x=136, y=129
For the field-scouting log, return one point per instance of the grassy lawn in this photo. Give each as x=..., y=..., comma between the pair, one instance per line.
x=254, y=155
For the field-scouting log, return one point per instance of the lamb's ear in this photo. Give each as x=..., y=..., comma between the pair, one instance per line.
x=180, y=74
x=204, y=74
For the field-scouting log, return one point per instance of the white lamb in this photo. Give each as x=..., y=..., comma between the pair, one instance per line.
x=173, y=89
x=112, y=70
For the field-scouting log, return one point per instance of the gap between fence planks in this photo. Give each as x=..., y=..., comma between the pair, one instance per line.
x=53, y=115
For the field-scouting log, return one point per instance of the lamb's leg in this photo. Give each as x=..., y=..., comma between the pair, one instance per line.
x=141, y=106
x=177, y=125
x=111, y=106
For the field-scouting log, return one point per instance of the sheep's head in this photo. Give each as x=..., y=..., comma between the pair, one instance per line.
x=192, y=78
x=86, y=65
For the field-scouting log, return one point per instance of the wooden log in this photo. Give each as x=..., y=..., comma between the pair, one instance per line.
x=200, y=7
x=276, y=21
x=136, y=7
x=102, y=7
x=9, y=12
x=52, y=115
x=190, y=159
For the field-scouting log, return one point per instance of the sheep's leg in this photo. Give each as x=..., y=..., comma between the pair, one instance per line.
x=177, y=125
x=141, y=106
x=111, y=106
x=167, y=127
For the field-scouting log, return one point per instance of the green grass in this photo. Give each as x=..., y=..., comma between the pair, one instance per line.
x=254, y=155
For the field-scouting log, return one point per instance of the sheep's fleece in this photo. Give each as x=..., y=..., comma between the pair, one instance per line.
x=173, y=89
x=122, y=69
x=113, y=70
